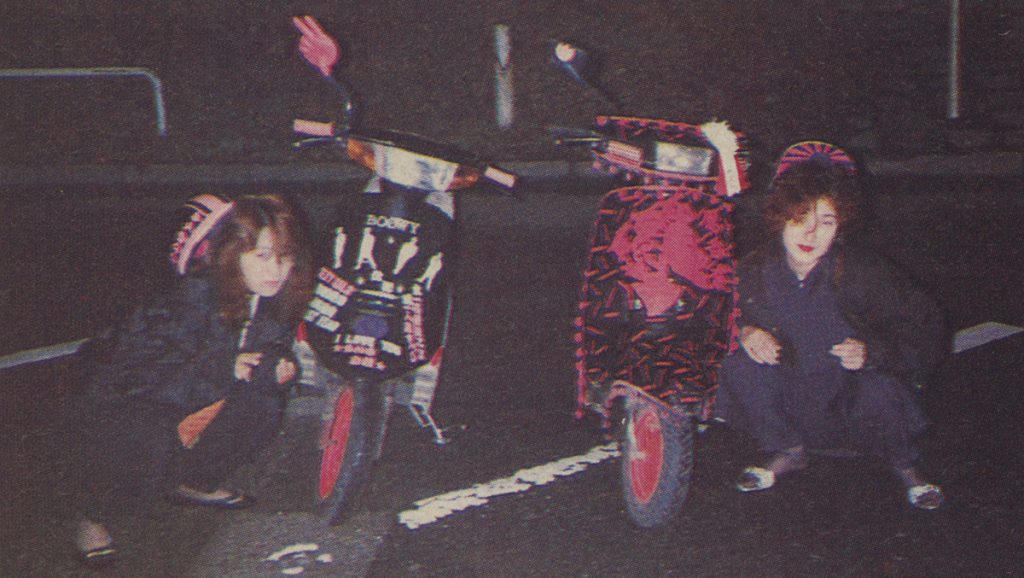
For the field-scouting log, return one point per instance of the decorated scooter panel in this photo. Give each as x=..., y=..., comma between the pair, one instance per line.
x=656, y=308
x=381, y=300
x=657, y=304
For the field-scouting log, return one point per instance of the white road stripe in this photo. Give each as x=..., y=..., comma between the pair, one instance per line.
x=40, y=354
x=292, y=549
x=981, y=334
x=430, y=510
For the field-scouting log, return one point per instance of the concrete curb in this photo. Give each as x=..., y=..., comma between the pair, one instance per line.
x=994, y=164
x=234, y=174
x=981, y=164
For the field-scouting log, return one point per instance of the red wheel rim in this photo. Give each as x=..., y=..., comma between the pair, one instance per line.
x=645, y=454
x=334, y=454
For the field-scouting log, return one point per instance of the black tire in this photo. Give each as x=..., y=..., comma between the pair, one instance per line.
x=347, y=455
x=657, y=462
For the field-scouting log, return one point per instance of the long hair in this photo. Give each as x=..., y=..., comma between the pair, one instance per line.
x=239, y=234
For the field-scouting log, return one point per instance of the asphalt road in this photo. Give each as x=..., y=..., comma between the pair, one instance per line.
x=508, y=381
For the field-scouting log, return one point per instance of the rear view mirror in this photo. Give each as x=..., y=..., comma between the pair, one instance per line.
x=582, y=66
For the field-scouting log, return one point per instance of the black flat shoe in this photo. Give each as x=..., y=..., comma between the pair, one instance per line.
x=98, y=557
x=233, y=501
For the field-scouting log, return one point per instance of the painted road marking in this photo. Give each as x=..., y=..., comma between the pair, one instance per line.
x=981, y=334
x=430, y=510
x=40, y=354
x=277, y=543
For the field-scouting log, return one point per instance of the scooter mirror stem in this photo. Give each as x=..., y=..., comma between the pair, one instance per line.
x=322, y=51
x=348, y=105
x=575, y=61
x=578, y=63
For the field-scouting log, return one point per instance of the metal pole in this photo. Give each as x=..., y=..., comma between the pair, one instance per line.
x=953, y=108
x=504, y=102
x=154, y=81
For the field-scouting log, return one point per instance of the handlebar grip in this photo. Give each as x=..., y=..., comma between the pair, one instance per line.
x=569, y=132
x=500, y=176
x=572, y=136
x=589, y=141
x=313, y=127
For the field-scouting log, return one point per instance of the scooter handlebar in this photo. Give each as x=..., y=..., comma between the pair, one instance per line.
x=320, y=133
x=321, y=50
x=500, y=176
x=317, y=133
x=313, y=128
x=571, y=136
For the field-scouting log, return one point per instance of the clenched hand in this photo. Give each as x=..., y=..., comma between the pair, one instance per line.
x=852, y=353
x=760, y=345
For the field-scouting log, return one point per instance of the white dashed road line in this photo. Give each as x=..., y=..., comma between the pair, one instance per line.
x=981, y=334
x=430, y=510
x=40, y=354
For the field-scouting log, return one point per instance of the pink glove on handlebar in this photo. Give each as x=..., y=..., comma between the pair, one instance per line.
x=317, y=47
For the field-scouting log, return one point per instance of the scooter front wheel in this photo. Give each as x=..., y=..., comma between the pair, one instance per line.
x=657, y=462
x=347, y=452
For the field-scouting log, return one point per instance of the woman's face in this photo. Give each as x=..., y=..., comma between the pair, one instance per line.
x=264, y=270
x=809, y=236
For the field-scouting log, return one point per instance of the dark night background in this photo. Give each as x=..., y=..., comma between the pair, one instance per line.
x=88, y=192
x=871, y=74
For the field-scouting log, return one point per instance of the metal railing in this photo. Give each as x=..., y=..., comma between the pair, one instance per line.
x=154, y=81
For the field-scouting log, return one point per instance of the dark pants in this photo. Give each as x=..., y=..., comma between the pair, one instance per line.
x=131, y=452
x=781, y=408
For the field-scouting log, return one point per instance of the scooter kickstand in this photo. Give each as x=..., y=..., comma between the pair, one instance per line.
x=424, y=419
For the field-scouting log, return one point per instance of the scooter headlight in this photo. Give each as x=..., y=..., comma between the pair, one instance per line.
x=680, y=158
x=411, y=169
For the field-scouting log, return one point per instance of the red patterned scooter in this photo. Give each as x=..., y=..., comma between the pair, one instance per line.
x=657, y=306
x=379, y=318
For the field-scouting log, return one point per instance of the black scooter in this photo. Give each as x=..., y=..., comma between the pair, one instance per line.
x=383, y=302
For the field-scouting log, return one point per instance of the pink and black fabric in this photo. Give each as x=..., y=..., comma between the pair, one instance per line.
x=633, y=129
x=203, y=213
x=814, y=151
x=657, y=304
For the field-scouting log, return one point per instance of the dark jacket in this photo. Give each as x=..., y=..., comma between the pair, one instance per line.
x=901, y=326
x=176, y=351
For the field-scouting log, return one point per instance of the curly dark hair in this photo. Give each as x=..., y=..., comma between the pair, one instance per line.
x=796, y=191
x=239, y=234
